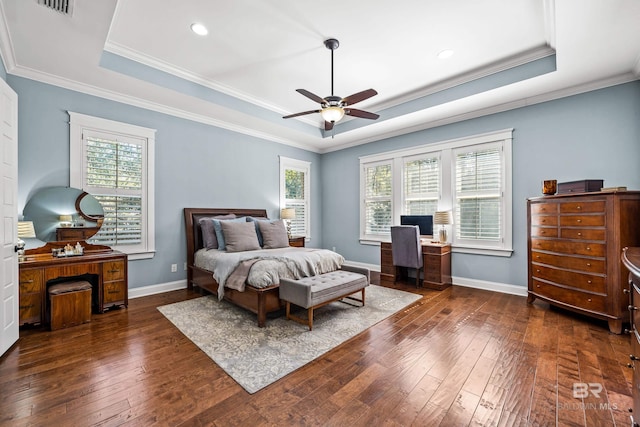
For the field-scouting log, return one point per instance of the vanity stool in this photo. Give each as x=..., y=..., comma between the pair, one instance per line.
x=70, y=304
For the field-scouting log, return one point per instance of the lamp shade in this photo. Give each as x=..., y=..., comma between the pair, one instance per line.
x=65, y=218
x=443, y=218
x=287, y=213
x=332, y=114
x=26, y=230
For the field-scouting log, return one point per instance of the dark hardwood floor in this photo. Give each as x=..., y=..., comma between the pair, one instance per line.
x=456, y=357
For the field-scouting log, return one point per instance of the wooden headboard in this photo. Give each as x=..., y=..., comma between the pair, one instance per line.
x=192, y=224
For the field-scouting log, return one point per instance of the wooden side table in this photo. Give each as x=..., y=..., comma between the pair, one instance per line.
x=296, y=241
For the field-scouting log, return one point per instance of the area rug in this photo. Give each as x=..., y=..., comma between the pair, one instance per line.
x=256, y=357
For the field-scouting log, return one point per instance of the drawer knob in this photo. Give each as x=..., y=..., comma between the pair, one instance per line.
x=589, y=281
x=630, y=365
x=626, y=291
x=537, y=270
x=589, y=299
x=537, y=286
x=588, y=248
x=579, y=221
x=633, y=308
x=632, y=357
x=588, y=264
x=114, y=271
x=24, y=282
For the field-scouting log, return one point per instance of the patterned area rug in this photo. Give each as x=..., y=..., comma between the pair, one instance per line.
x=256, y=357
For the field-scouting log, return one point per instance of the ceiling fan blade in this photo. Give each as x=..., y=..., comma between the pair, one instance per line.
x=328, y=125
x=360, y=113
x=301, y=114
x=360, y=96
x=311, y=96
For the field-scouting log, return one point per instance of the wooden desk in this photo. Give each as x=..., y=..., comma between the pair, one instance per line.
x=436, y=258
x=103, y=267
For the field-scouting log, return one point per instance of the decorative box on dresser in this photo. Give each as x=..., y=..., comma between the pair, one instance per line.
x=574, y=246
x=103, y=267
x=631, y=259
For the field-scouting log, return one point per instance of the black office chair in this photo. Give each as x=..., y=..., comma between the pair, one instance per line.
x=406, y=248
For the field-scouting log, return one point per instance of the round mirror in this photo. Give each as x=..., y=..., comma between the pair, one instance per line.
x=55, y=216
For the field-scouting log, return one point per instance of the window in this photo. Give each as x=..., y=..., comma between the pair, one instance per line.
x=469, y=176
x=113, y=162
x=295, y=185
x=378, y=212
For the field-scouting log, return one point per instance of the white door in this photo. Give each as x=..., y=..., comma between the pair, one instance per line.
x=9, y=314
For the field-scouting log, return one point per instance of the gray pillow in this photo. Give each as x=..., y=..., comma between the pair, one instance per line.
x=274, y=234
x=239, y=236
x=209, y=239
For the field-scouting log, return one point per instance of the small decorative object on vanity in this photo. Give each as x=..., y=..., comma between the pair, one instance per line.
x=442, y=218
x=549, y=187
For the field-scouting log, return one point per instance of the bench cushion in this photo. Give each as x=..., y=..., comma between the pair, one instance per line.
x=311, y=291
x=64, y=287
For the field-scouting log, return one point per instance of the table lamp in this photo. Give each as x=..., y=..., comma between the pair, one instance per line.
x=288, y=214
x=443, y=218
x=26, y=231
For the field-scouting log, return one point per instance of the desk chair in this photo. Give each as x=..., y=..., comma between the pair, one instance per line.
x=406, y=249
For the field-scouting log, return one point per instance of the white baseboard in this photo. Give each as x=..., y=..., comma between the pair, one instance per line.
x=490, y=286
x=144, y=291
x=459, y=281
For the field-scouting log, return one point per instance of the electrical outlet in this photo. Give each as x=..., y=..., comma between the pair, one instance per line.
x=333, y=249
x=174, y=268
x=185, y=266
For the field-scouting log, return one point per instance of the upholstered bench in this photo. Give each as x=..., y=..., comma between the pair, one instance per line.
x=315, y=291
x=70, y=304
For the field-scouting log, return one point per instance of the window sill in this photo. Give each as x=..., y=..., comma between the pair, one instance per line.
x=133, y=256
x=499, y=252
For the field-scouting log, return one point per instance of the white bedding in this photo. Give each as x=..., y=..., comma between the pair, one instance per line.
x=271, y=265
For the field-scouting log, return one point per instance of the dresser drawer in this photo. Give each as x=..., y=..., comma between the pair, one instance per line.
x=568, y=247
x=571, y=297
x=30, y=308
x=544, y=231
x=635, y=302
x=582, y=220
x=113, y=270
x=583, y=281
x=583, y=234
x=587, y=265
x=31, y=281
x=113, y=292
x=582, y=207
x=548, y=220
x=540, y=208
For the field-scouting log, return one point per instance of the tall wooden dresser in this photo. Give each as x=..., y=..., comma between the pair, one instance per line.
x=574, y=247
x=631, y=259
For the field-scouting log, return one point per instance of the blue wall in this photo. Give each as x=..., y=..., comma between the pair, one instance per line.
x=196, y=165
x=594, y=135
x=3, y=71
x=589, y=136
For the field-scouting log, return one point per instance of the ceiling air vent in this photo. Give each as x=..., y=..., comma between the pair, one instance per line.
x=63, y=6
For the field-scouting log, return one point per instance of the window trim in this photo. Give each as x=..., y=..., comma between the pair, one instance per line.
x=80, y=122
x=305, y=167
x=446, y=151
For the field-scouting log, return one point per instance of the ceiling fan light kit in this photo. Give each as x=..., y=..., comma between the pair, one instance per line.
x=333, y=107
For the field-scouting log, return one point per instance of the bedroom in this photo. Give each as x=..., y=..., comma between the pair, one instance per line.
x=593, y=134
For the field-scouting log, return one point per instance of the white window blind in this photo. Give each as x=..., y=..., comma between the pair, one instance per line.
x=113, y=161
x=295, y=192
x=478, y=196
x=421, y=185
x=377, y=198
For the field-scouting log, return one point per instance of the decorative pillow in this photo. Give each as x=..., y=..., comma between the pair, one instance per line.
x=209, y=239
x=219, y=234
x=255, y=220
x=274, y=234
x=239, y=236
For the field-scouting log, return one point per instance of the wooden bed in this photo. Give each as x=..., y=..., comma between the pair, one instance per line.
x=259, y=301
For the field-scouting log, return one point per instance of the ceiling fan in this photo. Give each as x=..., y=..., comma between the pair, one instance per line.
x=333, y=108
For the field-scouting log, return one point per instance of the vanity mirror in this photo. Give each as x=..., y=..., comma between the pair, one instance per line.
x=64, y=213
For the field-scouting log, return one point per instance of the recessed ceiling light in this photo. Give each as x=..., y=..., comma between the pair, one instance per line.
x=447, y=53
x=199, y=29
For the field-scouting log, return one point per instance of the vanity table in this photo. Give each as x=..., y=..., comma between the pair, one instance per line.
x=103, y=267
x=75, y=233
